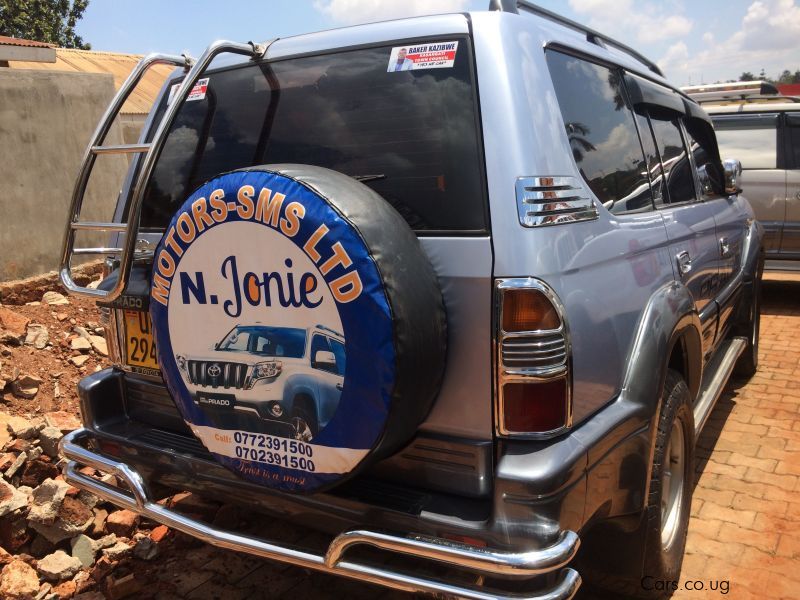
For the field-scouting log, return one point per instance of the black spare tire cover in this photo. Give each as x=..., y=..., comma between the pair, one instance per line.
x=300, y=327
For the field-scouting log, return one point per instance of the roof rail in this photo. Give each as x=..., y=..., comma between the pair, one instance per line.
x=738, y=91
x=592, y=35
x=758, y=99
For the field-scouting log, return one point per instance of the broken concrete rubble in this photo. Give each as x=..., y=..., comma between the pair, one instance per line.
x=122, y=522
x=26, y=386
x=21, y=428
x=63, y=421
x=47, y=499
x=79, y=360
x=13, y=327
x=58, y=566
x=37, y=336
x=11, y=499
x=99, y=344
x=80, y=344
x=18, y=581
x=49, y=437
x=55, y=299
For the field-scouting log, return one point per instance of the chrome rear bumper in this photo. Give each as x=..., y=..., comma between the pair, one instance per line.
x=481, y=561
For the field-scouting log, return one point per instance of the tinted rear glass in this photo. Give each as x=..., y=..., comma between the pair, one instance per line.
x=415, y=130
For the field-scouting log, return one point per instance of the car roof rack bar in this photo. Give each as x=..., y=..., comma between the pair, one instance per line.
x=593, y=36
x=736, y=91
x=750, y=99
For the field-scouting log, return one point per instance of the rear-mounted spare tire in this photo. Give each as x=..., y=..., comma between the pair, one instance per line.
x=300, y=327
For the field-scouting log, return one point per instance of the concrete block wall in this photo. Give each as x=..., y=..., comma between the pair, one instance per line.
x=46, y=120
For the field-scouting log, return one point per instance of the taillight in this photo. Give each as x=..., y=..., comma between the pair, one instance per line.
x=533, y=361
x=528, y=310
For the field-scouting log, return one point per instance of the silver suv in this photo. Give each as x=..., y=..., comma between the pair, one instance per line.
x=762, y=129
x=541, y=269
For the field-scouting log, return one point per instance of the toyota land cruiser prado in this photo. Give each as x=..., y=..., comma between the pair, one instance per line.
x=520, y=235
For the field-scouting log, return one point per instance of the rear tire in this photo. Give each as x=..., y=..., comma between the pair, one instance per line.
x=652, y=553
x=671, y=485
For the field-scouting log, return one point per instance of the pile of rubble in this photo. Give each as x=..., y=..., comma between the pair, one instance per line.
x=57, y=541
x=45, y=348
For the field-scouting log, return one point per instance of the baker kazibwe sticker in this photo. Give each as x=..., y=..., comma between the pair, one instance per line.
x=436, y=55
x=273, y=330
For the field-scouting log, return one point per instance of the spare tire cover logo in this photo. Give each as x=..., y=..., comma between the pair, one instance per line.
x=273, y=329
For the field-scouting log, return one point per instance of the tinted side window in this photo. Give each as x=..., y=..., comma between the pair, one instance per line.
x=709, y=169
x=601, y=132
x=753, y=139
x=657, y=182
x=674, y=159
x=793, y=137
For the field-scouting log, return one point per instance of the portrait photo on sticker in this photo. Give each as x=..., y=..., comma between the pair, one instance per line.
x=436, y=55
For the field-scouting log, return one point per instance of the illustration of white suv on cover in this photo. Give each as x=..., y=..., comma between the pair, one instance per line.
x=291, y=377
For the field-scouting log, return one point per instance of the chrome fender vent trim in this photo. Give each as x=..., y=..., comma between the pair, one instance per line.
x=553, y=201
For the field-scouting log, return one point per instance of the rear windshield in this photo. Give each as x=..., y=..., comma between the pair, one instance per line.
x=412, y=135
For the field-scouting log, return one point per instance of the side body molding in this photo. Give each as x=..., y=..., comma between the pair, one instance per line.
x=619, y=463
x=670, y=318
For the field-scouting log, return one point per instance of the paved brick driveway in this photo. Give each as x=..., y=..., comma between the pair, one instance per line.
x=745, y=526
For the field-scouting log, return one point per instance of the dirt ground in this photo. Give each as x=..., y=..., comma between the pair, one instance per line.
x=745, y=514
x=60, y=376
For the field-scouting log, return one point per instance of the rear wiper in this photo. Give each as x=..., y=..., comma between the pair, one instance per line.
x=365, y=178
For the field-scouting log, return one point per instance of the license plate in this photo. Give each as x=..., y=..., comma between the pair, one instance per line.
x=140, y=349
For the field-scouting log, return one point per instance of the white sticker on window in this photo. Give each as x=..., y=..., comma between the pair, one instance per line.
x=199, y=90
x=172, y=90
x=438, y=55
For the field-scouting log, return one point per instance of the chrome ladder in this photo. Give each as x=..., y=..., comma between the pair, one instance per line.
x=150, y=152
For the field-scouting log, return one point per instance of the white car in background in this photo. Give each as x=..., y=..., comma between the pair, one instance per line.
x=291, y=377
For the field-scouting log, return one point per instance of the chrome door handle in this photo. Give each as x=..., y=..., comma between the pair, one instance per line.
x=724, y=248
x=684, y=262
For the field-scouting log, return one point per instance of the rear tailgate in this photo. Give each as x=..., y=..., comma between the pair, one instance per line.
x=414, y=137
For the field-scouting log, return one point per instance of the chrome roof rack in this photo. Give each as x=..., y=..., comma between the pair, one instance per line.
x=592, y=35
x=759, y=99
x=736, y=92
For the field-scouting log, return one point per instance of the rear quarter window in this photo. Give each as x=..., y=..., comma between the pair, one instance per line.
x=601, y=130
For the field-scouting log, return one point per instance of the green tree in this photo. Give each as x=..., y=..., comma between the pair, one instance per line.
x=747, y=76
x=786, y=77
x=50, y=21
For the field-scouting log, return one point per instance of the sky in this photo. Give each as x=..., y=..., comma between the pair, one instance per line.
x=693, y=41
